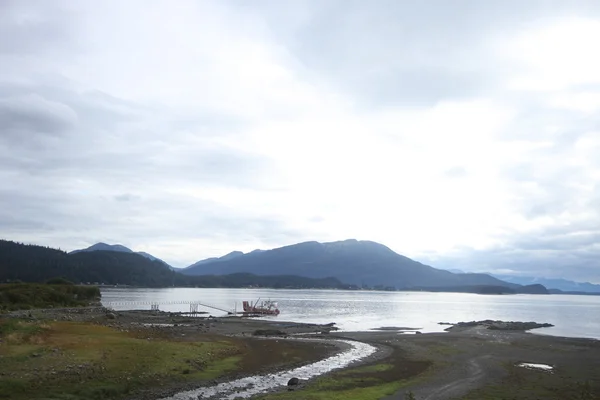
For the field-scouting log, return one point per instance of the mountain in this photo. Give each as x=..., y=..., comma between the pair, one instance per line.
x=31, y=263
x=105, y=247
x=560, y=284
x=121, y=249
x=351, y=261
x=226, y=257
x=271, y=281
x=349, y=264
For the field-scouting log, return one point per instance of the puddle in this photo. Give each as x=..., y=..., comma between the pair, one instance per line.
x=253, y=385
x=396, y=328
x=540, y=367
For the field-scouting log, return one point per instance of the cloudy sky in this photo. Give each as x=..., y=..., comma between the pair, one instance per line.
x=465, y=134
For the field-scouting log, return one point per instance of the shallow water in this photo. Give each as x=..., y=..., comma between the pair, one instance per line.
x=541, y=367
x=575, y=316
x=253, y=385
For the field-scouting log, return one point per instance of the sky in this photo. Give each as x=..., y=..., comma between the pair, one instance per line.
x=463, y=134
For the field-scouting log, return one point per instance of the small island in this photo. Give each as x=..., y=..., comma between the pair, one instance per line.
x=497, y=325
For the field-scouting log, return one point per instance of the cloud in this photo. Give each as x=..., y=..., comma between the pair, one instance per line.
x=467, y=136
x=32, y=115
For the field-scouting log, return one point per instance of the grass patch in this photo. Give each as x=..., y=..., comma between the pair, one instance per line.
x=18, y=330
x=26, y=296
x=76, y=361
x=368, y=368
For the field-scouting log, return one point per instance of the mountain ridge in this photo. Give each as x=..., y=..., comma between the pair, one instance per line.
x=32, y=263
x=101, y=246
x=564, y=285
x=351, y=261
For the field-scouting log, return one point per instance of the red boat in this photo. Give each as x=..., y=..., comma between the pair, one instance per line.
x=266, y=307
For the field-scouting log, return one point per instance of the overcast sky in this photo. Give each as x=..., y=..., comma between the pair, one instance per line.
x=465, y=134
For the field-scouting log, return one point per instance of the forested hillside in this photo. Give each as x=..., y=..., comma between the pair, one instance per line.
x=31, y=263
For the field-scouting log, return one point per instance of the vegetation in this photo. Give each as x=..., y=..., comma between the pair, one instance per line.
x=66, y=360
x=30, y=263
x=59, y=281
x=24, y=296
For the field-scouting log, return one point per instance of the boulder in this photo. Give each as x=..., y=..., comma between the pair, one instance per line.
x=293, y=382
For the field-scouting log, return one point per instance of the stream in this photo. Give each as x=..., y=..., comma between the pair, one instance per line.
x=253, y=385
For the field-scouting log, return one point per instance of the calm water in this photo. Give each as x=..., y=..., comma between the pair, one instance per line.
x=576, y=316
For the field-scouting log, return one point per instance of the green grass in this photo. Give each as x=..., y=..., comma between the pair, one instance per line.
x=23, y=329
x=76, y=361
x=367, y=368
x=26, y=296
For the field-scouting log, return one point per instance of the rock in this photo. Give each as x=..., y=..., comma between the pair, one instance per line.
x=268, y=332
x=418, y=333
x=293, y=382
x=111, y=315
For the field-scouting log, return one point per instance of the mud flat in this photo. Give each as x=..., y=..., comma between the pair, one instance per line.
x=475, y=362
x=96, y=353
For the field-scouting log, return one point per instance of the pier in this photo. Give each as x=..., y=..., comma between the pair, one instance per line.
x=155, y=305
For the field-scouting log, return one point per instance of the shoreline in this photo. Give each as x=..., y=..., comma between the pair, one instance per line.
x=465, y=361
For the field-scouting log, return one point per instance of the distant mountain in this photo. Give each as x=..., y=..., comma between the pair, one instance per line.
x=456, y=271
x=350, y=261
x=121, y=249
x=560, y=284
x=105, y=247
x=343, y=265
x=226, y=257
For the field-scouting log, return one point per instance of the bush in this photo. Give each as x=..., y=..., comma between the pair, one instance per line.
x=59, y=281
x=25, y=296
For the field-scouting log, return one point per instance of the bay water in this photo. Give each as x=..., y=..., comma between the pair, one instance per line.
x=572, y=315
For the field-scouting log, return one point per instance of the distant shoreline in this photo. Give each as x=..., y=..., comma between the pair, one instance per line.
x=430, y=290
